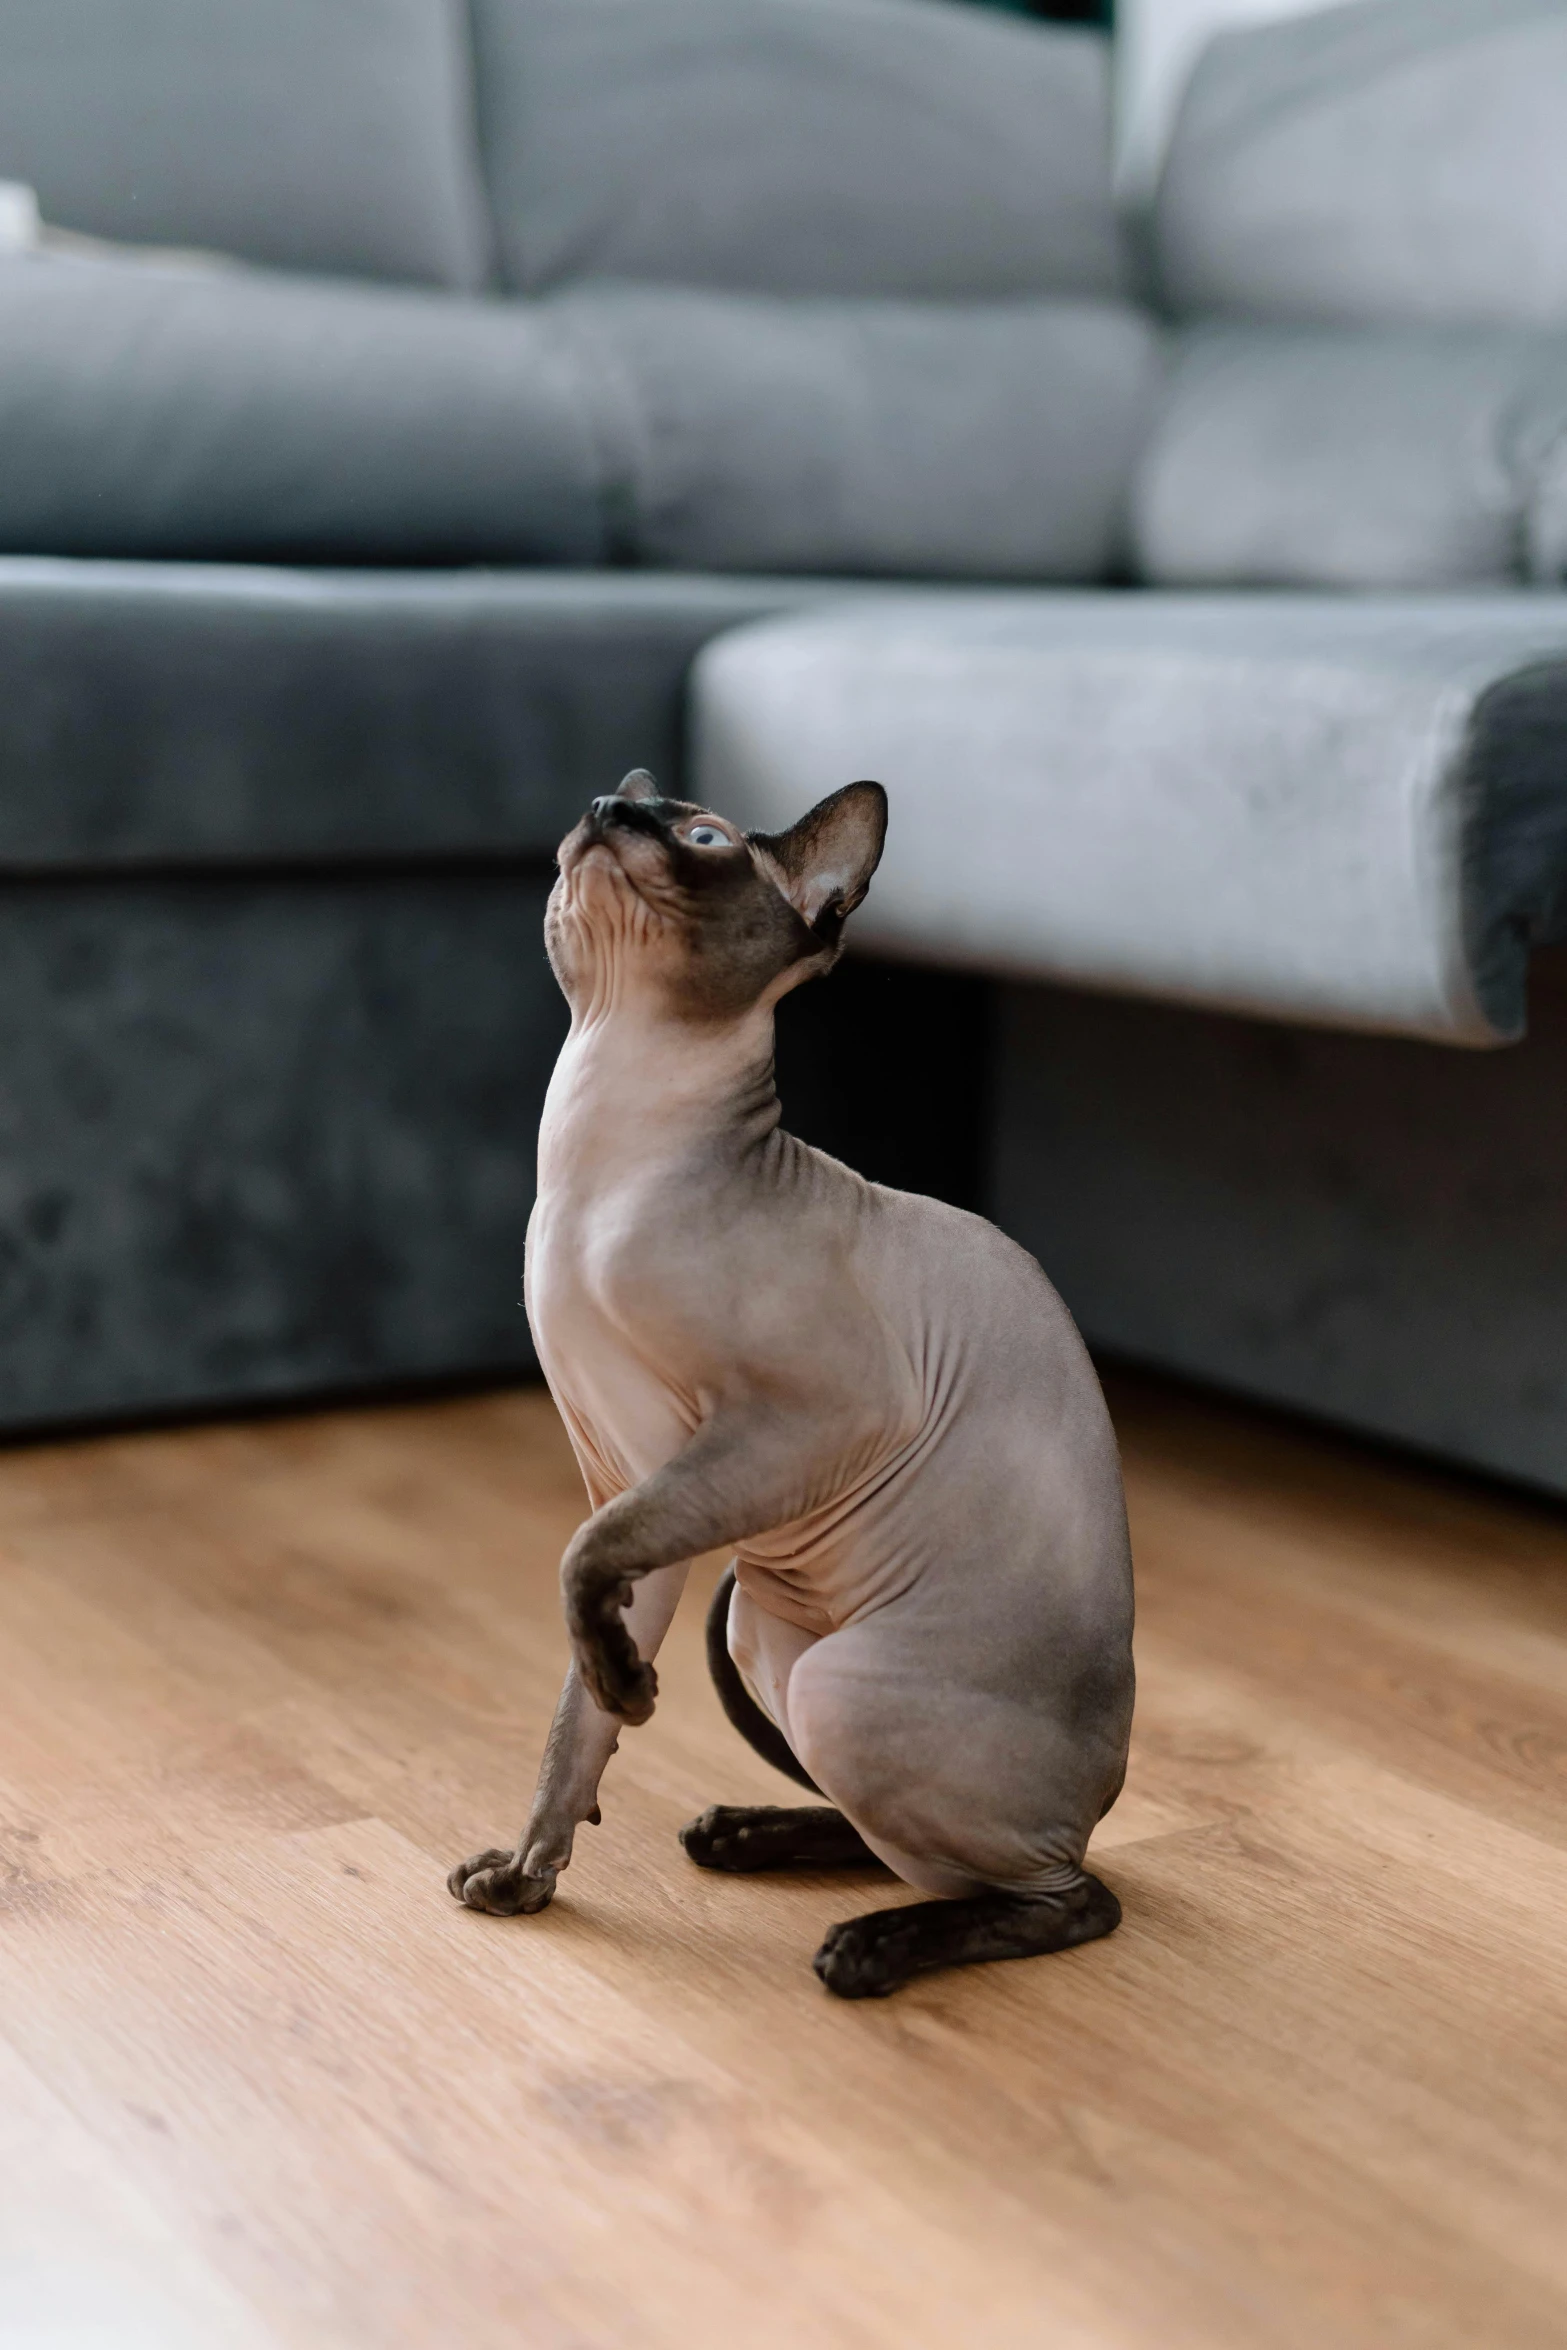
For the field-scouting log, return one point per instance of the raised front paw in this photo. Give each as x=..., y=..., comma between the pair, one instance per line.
x=615, y=1677
x=608, y=1665
x=495, y=1881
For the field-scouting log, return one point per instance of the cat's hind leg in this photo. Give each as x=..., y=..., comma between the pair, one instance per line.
x=744, y=1653
x=746, y=1838
x=984, y=1796
x=866, y=1957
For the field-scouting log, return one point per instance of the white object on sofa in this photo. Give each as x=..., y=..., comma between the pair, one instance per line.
x=1314, y=808
x=19, y=223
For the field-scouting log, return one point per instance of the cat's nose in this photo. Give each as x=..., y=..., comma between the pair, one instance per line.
x=613, y=808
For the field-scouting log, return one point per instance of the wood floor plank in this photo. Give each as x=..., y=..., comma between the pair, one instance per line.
x=264, y=1682
x=1496, y=1734
x=86, y=2262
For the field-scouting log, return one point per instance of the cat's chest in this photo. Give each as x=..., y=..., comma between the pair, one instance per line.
x=607, y=1380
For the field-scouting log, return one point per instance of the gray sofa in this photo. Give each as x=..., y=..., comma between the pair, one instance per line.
x=413, y=415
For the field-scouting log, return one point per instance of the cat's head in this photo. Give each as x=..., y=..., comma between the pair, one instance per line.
x=673, y=908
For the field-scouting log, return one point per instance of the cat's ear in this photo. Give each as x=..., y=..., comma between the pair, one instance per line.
x=638, y=785
x=824, y=863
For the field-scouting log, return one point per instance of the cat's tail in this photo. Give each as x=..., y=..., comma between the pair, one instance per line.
x=755, y=1727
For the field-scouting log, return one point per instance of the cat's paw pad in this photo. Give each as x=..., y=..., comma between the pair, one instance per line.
x=495, y=1881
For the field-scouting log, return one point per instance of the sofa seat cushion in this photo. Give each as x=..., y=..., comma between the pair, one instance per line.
x=1352, y=813
x=312, y=134
x=234, y=413
x=773, y=434
x=1355, y=457
x=796, y=146
x=1395, y=161
x=176, y=716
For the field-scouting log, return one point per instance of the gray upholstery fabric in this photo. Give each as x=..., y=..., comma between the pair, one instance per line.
x=315, y=134
x=275, y=1018
x=764, y=434
x=1321, y=809
x=167, y=714
x=1547, y=517
x=1334, y=457
x=268, y=1136
x=796, y=146
x=258, y=1139
x=1392, y=161
x=1346, y=1225
x=148, y=411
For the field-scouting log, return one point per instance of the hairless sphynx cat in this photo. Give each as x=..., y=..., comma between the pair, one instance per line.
x=877, y=1401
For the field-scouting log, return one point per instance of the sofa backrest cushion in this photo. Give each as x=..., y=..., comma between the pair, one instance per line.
x=796, y=146
x=234, y=413
x=1399, y=161
x=1354, y=457
x=906, y=439
x=313, y=134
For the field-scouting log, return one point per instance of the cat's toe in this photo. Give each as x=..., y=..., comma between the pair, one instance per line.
x=458, y=1877
x=717, y=1838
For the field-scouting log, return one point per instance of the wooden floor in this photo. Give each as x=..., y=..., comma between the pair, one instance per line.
x=262, y=2083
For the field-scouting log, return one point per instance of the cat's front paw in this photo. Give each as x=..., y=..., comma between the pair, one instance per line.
x=496, y=1881
x=614, y=1688
x=607, y=1661
x=616, y=1678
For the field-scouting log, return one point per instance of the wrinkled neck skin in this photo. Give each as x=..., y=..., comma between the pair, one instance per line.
x=633, y=1092
x=644, y=1082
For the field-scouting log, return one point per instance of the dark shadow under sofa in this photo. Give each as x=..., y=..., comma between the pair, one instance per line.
x=756, y=390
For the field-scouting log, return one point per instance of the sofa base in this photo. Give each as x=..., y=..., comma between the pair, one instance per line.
x=1363, y=1228
x=268, y=1139
x=264, y=1138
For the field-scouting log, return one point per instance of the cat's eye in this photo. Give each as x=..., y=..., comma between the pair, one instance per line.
x=708, y=836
